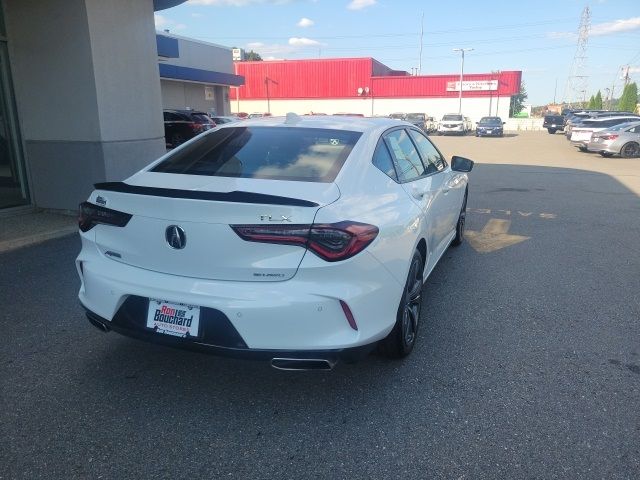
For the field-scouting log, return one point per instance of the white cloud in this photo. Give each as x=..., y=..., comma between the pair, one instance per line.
x=234, y=3
x=305, y=22
x=303, y=42
x=160, y=21
x=616, y=26
x=600, y=29
x=360, y=4
x=164, y=23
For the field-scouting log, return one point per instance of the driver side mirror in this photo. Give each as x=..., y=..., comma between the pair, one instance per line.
x=461, y=164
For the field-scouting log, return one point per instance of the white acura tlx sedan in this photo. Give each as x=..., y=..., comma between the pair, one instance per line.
x=298, y=240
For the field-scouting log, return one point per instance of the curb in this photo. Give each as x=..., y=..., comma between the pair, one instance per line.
x=29, y=240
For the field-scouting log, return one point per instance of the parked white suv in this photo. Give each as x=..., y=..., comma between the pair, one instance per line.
x=452, y=123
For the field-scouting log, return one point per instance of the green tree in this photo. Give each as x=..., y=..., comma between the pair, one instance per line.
x=629, y=99
x=598, y=101
x=517, y=101
x=592, y=103
x=252, y=56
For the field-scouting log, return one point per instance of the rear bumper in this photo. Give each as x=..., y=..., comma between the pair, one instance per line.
x=494, y=133
x=303, y=313
x=132, y=326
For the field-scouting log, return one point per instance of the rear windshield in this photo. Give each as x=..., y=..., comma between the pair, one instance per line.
x=200, y=118
x=415, y=116
x=490, y=121
x=276, y=153
x=452, y=117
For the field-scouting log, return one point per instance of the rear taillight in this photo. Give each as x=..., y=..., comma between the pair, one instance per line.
x=91, y=215
x=196, y=127
x=331, y=242
x=609, y=137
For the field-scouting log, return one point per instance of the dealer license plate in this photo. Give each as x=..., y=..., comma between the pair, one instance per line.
x=489, y=131
x=177, y=319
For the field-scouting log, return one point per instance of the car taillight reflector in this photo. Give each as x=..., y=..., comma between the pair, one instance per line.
x=331, y=242
x=349, y=315
x=609, y=137
x=90, y=215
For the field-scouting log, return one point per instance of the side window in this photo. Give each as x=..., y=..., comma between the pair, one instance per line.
x=635, y=129
x=382, y=161
x=405, y=154
x=430, y=155
x=167, y=116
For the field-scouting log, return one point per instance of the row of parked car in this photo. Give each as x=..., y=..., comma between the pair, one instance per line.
x=454, y=124
x=608, y=133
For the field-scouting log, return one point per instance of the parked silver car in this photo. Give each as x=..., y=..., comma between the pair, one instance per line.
x=581, y=133
x=623, y=140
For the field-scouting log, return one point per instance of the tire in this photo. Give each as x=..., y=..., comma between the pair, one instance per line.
x=551, y=130
x=400, y=341
x=606, y=154
x=582, y=149
x=630, y=150
x=459, y=238
x=177, y=140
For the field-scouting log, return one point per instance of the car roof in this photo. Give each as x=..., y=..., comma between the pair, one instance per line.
x=337, y=122
x=185, y=111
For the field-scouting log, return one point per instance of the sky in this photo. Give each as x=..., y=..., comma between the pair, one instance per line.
x=539, y=38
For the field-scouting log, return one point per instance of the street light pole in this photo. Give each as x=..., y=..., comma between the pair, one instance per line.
x=461, y=50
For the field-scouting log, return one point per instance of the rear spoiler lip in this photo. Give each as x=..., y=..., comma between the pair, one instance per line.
x=232, y=197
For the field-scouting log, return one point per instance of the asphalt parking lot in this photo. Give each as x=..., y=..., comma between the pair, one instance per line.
x=527, y=365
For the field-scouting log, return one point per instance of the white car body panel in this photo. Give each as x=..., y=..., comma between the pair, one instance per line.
x=279, y=297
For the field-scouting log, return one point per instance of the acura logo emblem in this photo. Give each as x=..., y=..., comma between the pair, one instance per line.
x=175, y=236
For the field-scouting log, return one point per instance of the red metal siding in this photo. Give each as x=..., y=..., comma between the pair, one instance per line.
x=341, y=78
x=334, y=78
x=436, y=85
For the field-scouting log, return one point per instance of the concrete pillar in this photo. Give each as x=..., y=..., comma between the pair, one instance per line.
x=87, y=90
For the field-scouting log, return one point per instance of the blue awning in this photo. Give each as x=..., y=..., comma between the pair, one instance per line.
x=167, y=46
x=163, y=4
x=197, y=75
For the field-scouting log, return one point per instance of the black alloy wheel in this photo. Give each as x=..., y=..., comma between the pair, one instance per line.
x=630, y=150
x=402, y=338
x=459, y=238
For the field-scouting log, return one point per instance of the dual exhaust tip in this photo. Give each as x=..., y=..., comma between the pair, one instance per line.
x=301, y=364
x=287, y=364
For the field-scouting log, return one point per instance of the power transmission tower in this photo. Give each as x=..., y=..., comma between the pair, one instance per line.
x=577, y=83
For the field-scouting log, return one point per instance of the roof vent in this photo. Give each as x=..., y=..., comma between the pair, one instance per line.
x=292, y=119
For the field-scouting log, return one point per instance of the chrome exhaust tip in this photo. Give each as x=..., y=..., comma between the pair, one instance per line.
x=300, y=364
x=99, y=325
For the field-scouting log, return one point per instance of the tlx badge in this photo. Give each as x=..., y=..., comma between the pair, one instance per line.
x=269, y=218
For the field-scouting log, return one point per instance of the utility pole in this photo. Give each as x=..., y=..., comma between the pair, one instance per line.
x=577, y=80
x=625, y=77
x=608, y=98
x=498, y=93
x=421, y=35
x=555, y=90
x=461, y=50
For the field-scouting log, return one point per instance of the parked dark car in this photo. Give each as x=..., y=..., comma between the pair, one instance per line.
x=553, y=123
x=490, y=127
x=183, y=125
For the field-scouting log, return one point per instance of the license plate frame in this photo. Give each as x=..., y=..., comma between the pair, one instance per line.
x=174, y=319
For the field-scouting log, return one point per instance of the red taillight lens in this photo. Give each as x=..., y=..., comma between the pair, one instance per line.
x=331, y=242
x=609, y=137
x=196, y=127
x=90, y=215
